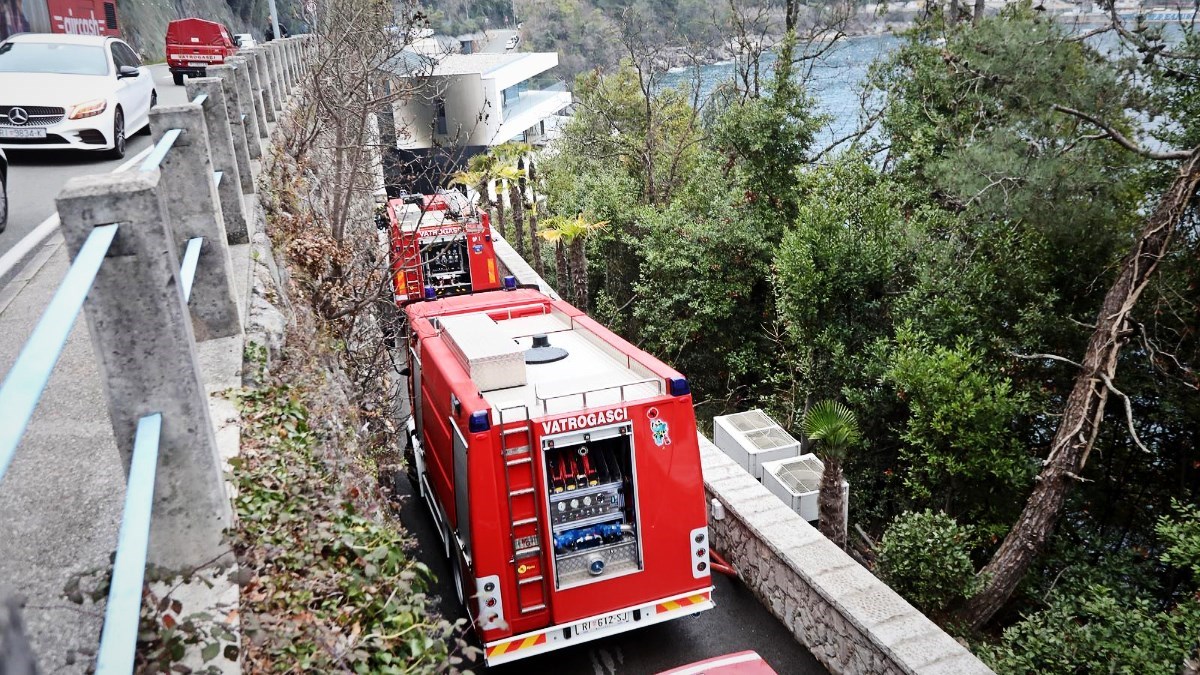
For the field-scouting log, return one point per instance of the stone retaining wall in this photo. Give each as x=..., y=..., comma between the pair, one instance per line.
x=850, y=620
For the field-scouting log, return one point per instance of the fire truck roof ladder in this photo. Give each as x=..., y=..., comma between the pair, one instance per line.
x=525, y=532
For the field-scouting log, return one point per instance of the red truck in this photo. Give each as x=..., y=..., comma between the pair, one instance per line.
x=73, y=17
x=562, y=468
x=440, y=245
x=195, y=44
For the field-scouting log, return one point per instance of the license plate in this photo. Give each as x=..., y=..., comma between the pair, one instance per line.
x=197, y=64
x=22, y=133
x=604, y=622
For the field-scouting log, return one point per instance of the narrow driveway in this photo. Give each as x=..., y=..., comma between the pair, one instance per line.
x=738, y=623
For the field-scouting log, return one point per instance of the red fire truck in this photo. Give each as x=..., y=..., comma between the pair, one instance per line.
x=441, y=245
x=562, y=467
x=74, y=17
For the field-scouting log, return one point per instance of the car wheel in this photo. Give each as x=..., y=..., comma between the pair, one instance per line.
x=153, y=102
x=178, y=77
x=118, y=149
x=3, y=202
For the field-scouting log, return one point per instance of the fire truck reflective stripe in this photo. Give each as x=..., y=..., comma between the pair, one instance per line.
x=516, y=645
x=671, y=605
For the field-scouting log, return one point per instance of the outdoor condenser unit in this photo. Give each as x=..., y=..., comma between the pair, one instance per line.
x=797, y=481
x=751, y=438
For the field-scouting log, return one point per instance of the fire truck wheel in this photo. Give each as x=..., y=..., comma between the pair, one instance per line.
x=178, y=78
x=456, y=570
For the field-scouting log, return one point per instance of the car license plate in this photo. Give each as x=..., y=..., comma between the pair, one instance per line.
x=604, y=622
x=22, y=133
x=197, y=64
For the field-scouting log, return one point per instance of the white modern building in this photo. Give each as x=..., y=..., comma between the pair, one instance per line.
x=470, y=102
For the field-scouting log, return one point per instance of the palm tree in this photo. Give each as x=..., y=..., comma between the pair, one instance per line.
x=482, y=170
x=833, y=426
x=570, y=258
x=510, y=155
x=535, y=239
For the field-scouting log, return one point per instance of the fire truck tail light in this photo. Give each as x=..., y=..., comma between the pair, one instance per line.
x=491, y=611
x=700, y=552
x=680, y=386
x=481, y=420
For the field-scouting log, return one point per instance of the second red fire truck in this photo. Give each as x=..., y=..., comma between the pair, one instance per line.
x=440, y=245
x=562, y=467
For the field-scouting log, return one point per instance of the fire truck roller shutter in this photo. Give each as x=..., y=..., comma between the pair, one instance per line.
x=462, y=491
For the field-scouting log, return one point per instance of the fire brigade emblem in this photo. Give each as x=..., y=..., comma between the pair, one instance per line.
x=659, y=428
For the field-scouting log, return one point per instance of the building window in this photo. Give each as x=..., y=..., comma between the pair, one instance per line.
x=441, y=115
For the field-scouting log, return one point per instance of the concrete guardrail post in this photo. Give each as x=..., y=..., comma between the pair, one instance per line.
x=294, y=59
x=194, y=210
x=241, y=148
x=220, y=145
x=249, y=114
x=143, y=341
x=285, y=62
x=274, y=50
x=273, y=54
x=269, y=92
x=261, y=105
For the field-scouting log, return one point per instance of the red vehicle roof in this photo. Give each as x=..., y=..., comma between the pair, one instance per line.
x=741, y=663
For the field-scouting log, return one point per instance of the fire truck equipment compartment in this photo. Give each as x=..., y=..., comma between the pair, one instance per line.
x=489, y=356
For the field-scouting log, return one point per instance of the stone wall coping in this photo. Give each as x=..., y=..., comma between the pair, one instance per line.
x=907, y=639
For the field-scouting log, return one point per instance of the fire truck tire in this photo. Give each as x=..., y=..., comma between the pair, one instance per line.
x=456, y=570
x=178, y=78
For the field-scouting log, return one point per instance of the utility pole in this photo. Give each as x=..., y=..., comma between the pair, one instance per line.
x=275, y=21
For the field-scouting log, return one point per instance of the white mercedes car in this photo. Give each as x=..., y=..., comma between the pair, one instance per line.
x=80, y=92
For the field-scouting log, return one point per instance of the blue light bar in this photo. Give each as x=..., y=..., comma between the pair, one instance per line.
x=430, y=293
x=119, y=637
x=510, y=283
x=23, y=386
x=480, y=420
x=680, y=386
x=187, y=271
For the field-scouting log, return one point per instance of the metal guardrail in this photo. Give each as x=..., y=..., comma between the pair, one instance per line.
x=24, y=385
x=118, y=641
x=22, y=388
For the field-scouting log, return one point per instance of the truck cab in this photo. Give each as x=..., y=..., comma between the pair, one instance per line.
x=195, y=44
x=562, y=466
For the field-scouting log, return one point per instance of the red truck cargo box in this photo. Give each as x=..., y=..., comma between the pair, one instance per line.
x=195, y=44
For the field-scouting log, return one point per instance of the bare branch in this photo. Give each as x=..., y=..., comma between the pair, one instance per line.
x=1128, y=411
x=1039, y=357
x=1120, y=138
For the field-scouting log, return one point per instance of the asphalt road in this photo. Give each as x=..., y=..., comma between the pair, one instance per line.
x=36, y=177
x=738, y=623
x=497, y=41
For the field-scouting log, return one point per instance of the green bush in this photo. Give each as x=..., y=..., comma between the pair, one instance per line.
x=924, y=557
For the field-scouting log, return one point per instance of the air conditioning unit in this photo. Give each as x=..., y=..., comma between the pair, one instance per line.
x=797, y=482
x=751, y=438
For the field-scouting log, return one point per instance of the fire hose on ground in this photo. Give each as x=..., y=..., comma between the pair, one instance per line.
x=719, y=564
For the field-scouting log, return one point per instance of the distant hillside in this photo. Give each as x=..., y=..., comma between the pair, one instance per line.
x=585, y=33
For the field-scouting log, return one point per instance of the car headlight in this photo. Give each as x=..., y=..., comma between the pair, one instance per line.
x=88, y=109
